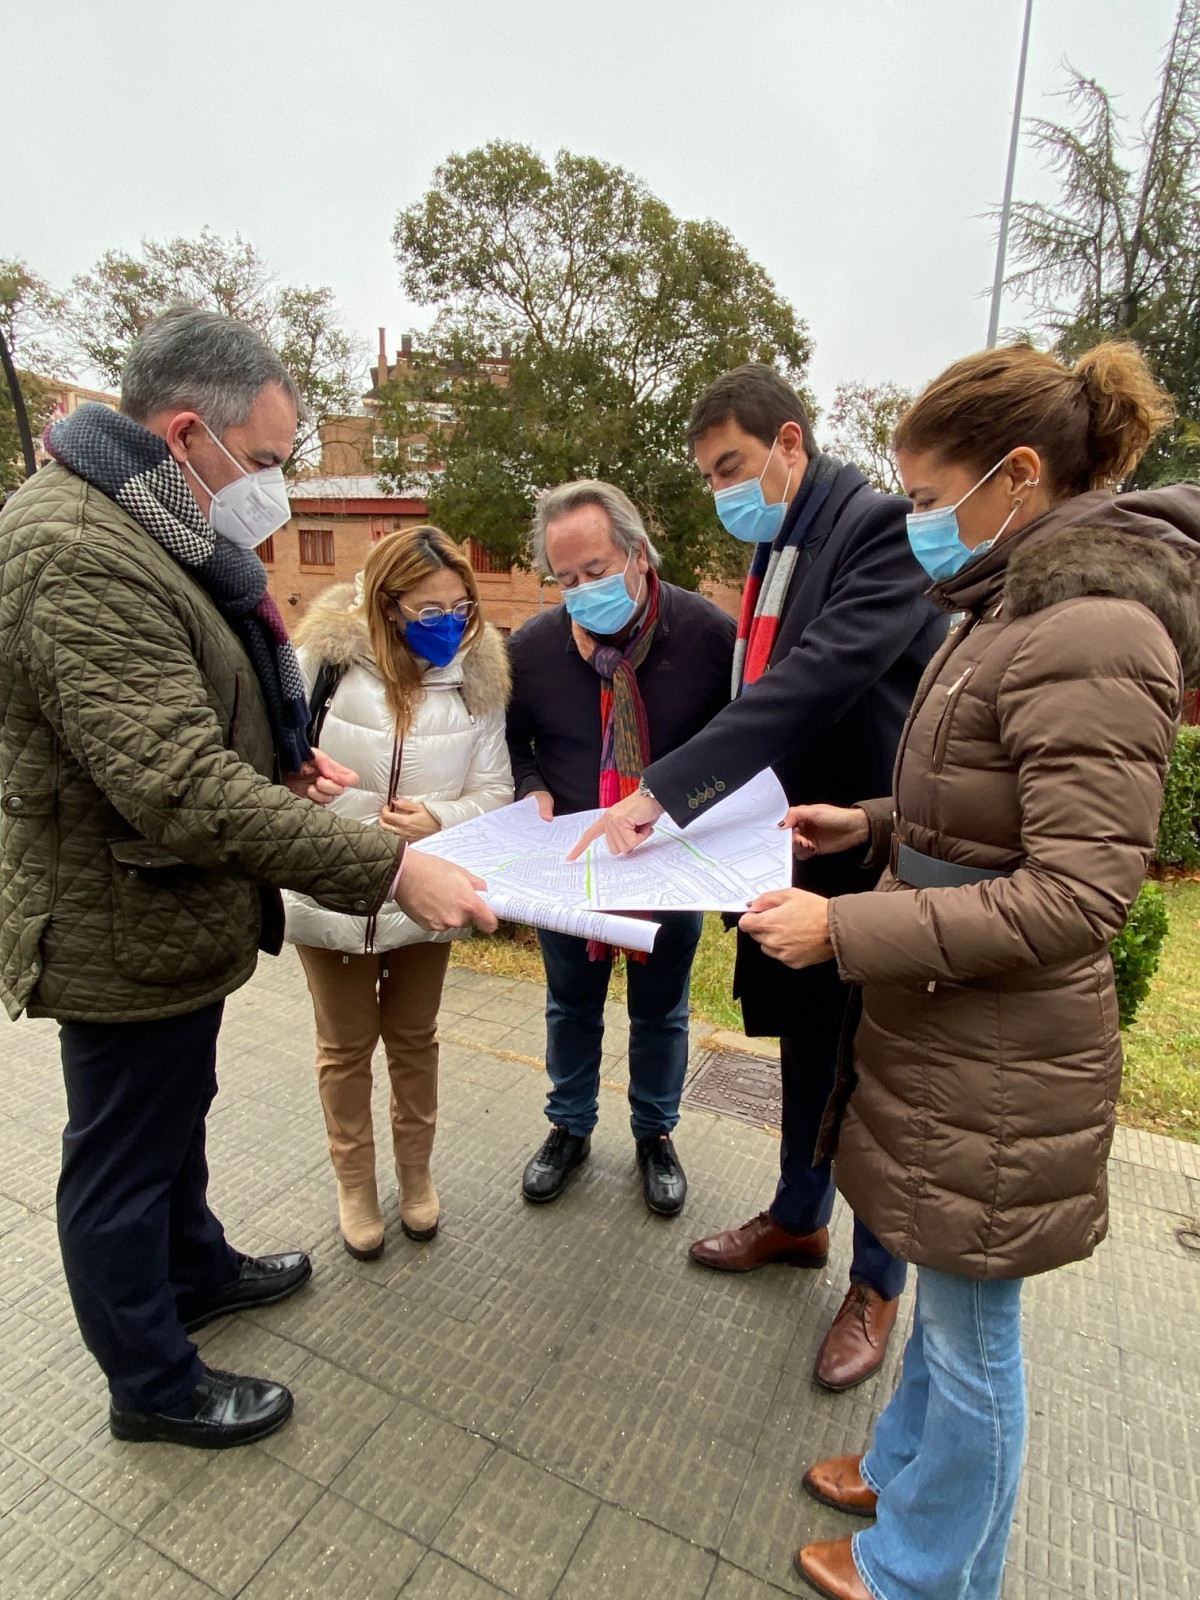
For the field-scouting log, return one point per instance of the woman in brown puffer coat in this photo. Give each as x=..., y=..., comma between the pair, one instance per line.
x=1027, y=793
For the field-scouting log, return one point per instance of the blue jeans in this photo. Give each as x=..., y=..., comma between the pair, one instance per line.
x=804, y=1198
x=576, y=989
x=946, y=1457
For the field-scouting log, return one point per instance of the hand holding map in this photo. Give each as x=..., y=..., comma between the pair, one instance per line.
x=733, y=853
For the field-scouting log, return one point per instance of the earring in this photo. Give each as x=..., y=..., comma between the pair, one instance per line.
x=1031, y=483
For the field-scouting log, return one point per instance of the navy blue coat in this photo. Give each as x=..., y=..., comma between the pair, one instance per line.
x=855, y=635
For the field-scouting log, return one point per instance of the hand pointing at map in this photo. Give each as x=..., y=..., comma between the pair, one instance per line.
x=624, y=825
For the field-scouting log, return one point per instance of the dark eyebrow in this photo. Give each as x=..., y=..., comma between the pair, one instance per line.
x=727, y=459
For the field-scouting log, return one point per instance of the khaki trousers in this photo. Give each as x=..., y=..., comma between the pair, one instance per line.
x=358, y=1000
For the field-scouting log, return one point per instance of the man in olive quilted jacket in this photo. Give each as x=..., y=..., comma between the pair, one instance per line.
x=159, y=791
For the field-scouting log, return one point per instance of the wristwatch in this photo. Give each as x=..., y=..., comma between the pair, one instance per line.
x=644, y=789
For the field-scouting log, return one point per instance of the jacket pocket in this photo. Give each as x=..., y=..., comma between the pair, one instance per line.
x=174, y=923
x=945, y=722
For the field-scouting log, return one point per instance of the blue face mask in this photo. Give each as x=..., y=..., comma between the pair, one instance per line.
x=933, y=535
x=435, y=642
x=603, y=606
x=744, y=512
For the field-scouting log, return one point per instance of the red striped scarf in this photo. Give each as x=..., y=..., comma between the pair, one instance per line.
x=771, y=571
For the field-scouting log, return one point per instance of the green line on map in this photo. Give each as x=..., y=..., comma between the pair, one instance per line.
x=699, y=854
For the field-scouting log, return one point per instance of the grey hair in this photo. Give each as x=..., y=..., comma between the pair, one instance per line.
x=200, y=361
x=628, y=530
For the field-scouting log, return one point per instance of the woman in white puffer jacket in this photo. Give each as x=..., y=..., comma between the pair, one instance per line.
x=408, y=687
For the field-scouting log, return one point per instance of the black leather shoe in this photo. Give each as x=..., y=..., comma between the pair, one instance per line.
x=664, y=1181
x=546, y=1175
x=261, y=1281
x=229, y=1411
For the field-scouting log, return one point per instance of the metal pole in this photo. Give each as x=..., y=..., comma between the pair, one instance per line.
x=1006, y=208
x=22, y=416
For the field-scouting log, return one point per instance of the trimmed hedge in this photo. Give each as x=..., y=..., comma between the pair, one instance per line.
x=1179, y=827
x=1137, y=949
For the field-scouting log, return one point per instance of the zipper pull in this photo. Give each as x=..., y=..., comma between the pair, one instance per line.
x=931, y=986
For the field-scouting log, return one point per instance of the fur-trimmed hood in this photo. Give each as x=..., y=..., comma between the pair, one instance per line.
x=1143, y=546
x=333, y=633
x=1090, y=560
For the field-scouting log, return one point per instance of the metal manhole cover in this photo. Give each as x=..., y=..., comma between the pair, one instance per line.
x=737, y=1085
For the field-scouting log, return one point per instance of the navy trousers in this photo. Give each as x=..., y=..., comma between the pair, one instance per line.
x=133, y=1219
x=804, y=1198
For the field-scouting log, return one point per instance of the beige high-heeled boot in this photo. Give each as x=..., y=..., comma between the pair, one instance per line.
x=361, y=1220
x=419, y=1208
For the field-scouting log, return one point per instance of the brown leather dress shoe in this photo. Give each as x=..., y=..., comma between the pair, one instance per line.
x=837, y=1482
x=857, y=1342
x=830, y=1569
x=758, y=1243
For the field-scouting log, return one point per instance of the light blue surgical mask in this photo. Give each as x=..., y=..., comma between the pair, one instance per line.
x=933, y=535
x=744, y=512
x=603, y=606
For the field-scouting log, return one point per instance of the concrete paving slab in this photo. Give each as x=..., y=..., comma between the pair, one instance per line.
x=549, y=1402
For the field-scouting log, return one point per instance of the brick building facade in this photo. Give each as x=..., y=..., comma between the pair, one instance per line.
x=335, y=521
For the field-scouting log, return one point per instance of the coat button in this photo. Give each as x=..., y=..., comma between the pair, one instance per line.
x=13, y=802
x=360, y=905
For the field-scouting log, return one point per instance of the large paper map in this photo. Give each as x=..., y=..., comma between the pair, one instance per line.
x=734, y=852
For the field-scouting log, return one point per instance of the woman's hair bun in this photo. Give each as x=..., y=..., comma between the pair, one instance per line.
x=1125, y=405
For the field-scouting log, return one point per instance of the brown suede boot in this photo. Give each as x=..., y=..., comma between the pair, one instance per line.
x=419, y=1208
x=361, y=1220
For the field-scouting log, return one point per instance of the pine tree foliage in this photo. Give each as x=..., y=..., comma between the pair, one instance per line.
x=1119, y=254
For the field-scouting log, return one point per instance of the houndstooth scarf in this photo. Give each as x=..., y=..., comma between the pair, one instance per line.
x=134, y=467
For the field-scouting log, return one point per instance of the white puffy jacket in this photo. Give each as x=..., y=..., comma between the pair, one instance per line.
x=454, y=756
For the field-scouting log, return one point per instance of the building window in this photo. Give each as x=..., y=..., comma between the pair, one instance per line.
x=316, y=547
x=382, y=445
x=483, y=560
x=266, y=551
x=418, y=452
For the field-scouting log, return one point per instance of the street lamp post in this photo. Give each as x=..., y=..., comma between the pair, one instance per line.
x=1006, y=208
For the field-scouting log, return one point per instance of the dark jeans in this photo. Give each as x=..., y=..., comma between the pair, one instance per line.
x=804, y=1199
x=133, y=1219
x=576, y=989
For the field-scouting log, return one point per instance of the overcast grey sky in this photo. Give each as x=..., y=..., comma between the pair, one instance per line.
x=850, y=145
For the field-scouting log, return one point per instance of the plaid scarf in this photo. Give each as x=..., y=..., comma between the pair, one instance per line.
x=771, y=571
x=133, y=466
x=624, y=730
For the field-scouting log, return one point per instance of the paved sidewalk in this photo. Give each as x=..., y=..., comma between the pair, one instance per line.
x=548, y=1402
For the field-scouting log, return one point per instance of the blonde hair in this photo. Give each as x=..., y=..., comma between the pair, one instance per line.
x=1091, y=423
x=395, y=565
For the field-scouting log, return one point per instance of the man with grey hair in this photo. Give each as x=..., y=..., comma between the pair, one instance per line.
x=627, y=669
x=159, y=791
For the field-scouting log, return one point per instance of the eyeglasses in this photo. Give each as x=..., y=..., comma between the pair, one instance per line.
x=432, y=615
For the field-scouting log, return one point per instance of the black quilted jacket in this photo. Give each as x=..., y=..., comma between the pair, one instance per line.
x=141, y=831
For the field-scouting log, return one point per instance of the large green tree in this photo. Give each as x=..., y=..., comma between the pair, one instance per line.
x=613, y=314
x=31, y=317
x=110, y=306
x=1119, y=255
